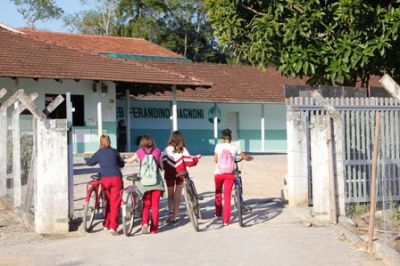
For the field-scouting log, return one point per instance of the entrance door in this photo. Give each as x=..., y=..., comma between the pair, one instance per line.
x=232, y=122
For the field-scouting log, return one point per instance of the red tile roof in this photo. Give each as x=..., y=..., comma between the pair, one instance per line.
x=23, y=56
x=103, y=44
x=232, y=83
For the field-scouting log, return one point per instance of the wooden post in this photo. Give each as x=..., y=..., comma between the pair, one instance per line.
x=16, y=136
x=3, y=138
x=375, y=151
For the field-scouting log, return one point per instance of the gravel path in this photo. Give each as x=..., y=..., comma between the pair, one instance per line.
x=272, y=234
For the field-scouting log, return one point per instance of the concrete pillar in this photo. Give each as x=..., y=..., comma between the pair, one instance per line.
x=99, y=120
x=128, y=120
x=3, y=153
x=215, y=123
x=340, y=168
x=174, y=110
x=320, y=167
x=262, y=128
x=51, y=203
x=297, y=187
x=70, y=155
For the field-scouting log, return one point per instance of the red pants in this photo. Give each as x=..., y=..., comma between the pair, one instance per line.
x=112, y=189
x=226, y=181
x=151, y=199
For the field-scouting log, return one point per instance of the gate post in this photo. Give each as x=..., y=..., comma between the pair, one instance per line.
x=297, y=183
x=51, y=207
x=320, y=167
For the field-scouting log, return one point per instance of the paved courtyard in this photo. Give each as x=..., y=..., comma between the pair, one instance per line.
x=272, y=234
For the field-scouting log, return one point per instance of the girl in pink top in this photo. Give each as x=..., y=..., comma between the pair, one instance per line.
x=152, y=194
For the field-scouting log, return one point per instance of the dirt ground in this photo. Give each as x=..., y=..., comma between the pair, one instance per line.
x=272, y=235
x=262, y=176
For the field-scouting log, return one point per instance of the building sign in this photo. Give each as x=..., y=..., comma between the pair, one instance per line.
x=162, y=113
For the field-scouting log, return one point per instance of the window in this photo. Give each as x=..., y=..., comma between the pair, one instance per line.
x=78, y=105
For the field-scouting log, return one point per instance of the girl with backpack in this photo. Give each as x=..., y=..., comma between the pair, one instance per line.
x=175, y=159
x=224, y=156
x=150, y=164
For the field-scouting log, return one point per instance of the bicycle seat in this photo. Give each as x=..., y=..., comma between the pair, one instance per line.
x=182, y=174
x=134, y=177
x=95, y=177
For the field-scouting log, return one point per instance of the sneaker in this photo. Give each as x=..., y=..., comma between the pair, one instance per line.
x=225, y=224
x=175, y=222
x=106, y=229
x=114, y=232
x=145, y=229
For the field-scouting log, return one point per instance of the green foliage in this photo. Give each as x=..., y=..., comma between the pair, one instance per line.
x=178, y=25
x=34, y=10
x=332, y=42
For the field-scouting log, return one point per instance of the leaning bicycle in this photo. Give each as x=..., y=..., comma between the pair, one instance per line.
x=191, y=200
x=95, y=202
x=239, y=207
x=131, y=205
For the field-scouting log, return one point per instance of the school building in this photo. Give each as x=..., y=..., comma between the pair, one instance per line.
x=106, y=76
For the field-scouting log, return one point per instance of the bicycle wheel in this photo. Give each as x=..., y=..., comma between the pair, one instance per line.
x=189, y=207
x=89, y=210
x=239, y=203
x=128, y=213
x=196, y=204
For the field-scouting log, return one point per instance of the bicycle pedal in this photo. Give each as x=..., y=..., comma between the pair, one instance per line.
x=200, y=197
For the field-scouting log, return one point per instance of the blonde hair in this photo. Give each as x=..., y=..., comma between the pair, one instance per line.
x=105, y=141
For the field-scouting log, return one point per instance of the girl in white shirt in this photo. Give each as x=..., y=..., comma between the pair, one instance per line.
x=223, y=177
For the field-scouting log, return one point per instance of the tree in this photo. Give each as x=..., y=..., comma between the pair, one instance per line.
x=98, y=21
x=331, y=42
x=37, y=10
x=178, y=25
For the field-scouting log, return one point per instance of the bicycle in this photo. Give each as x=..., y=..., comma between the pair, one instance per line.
x=131, y=205
x=239, y=207
x=95, y=202
x=191, y=200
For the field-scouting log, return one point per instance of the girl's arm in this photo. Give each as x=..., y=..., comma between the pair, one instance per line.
x=131, y=159
x=245, y=156
x=215, y=157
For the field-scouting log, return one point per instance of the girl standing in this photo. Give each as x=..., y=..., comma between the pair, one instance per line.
x=223, y=178
x=152, y=193
x=175, y=159
x=111, y=178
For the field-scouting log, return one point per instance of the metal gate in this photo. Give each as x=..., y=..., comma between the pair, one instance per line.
x=358, y=116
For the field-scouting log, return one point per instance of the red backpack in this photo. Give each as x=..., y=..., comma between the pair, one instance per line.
x=226, y=163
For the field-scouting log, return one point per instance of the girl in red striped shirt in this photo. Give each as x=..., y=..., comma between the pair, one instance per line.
x=175, y=159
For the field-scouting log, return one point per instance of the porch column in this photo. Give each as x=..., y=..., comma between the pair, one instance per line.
x=262, y=128
x=70, y=155
x=215, y=120
x=128, y=120
x=99, y=120
x=174, y=110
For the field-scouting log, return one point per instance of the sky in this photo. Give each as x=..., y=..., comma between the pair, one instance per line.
x=10, y=16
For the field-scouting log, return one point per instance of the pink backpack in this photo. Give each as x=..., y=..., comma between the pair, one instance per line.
x=226, y=163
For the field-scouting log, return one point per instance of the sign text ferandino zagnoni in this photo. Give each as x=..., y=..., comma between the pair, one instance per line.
x=165, y=113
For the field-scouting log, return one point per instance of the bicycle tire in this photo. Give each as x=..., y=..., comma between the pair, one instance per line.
x=189, y=207
x=128, y=213
x=239, y=204
x=196, y=201
x=89, y=210
x=102, y=205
